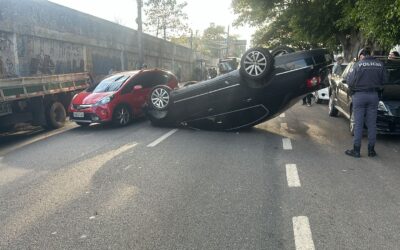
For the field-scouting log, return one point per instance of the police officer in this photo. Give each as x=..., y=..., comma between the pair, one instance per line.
x=365, y=80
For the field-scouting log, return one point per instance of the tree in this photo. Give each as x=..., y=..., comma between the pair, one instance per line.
x=165, y=16
x=346, y=24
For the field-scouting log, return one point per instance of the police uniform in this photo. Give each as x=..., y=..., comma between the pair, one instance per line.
x=365, y=79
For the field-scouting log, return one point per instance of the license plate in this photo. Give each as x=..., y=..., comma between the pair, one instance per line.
x=79, y=114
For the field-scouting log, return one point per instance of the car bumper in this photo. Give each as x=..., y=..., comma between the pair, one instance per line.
x=97, y=114
x=388, y=124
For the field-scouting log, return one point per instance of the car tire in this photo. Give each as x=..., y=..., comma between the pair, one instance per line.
x=159, y=98
x=83, y=124
x=122, y=116
x=256, y=63
x=281, y=50
x=331, y=106
x=351, y=124
x=56, y=115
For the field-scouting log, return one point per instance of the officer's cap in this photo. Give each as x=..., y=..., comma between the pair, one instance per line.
x=364, y=52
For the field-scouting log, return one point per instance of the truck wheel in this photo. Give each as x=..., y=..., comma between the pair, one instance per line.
x=56, y=115
x=281, y=50
x=256, y=63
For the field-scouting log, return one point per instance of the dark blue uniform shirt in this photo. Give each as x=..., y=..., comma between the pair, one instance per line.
x=366, y=75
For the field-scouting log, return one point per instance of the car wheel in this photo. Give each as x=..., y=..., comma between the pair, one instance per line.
x=83, y=124
x=56, y=115
x=332, y=109
x=256, y=63
x=281, y=50
x=351, y=123
x=122, y=115
x=159, y=97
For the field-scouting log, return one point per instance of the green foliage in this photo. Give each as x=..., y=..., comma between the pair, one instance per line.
x=165, y=17
x=327, y=23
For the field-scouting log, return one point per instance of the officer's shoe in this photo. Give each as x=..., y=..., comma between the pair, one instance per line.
x=355, y=152
x=371, y=151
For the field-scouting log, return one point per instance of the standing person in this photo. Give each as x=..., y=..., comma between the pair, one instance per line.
x=337, y=69
x=364, y=80
x=393, y=55
x=307, y=99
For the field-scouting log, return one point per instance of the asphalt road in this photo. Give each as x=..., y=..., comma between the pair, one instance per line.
x=285, y=184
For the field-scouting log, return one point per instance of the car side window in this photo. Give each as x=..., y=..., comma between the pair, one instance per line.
x=346, y=71
x=128, y=87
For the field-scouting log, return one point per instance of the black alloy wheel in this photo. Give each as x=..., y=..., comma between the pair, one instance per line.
x=122, y=115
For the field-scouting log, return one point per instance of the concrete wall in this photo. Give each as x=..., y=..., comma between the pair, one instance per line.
x=40, y=37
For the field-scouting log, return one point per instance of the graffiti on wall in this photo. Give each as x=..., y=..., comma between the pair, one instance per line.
x=42, y=64
x=7, y=67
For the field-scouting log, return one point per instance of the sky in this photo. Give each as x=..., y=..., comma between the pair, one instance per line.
x=200, y=12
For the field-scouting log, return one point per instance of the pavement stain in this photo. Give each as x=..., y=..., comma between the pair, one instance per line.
x=60, y=188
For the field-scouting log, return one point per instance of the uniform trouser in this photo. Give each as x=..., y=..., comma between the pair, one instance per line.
x=365, y=105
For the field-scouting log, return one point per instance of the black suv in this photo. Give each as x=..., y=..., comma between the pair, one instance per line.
x=388, y=119
x=262, y=88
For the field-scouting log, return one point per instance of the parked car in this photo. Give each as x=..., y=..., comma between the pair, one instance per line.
x=262, y=88
x=119, y=97
x=323, y=94
x=388, y=119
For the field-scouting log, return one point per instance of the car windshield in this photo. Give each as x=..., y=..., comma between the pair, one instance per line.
x=110, y=84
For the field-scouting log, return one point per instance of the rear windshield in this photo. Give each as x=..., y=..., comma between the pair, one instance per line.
x=111, y=84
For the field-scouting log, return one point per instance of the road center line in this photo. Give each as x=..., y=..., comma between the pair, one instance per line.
x=282, y=115
x=287, y=144
x=162, y=138
x=302, y=233
x=292, y=175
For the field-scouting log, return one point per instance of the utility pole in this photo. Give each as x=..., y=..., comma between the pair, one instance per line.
x=140, y=32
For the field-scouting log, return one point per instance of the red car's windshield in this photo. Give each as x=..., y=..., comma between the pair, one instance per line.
x=110, y=84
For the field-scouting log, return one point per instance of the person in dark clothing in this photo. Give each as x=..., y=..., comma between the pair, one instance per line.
x=365, y=79
x=307, y=99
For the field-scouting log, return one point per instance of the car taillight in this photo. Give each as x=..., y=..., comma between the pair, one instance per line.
x=313, y=82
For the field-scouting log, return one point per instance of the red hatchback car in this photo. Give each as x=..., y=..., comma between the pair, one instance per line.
x=119, y=97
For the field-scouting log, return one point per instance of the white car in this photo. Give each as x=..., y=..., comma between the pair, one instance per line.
x=321, y=95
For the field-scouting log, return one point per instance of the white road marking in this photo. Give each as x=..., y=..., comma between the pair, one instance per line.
x=54, y=233
x=127, y=167
x=292, y=175
x=282, y=115
x=92, y=217
x=302, y=233
x=287, y=144
x=284, y=126
x=83, y=236
x=162, y=138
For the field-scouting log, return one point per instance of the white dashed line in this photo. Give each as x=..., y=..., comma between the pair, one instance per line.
x=292, y=175
x=282, y=115
x=287, y=144
x=156, y=142
x=302, y=233
x=127, y=167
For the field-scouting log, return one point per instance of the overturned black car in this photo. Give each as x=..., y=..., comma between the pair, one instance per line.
x=261, y=89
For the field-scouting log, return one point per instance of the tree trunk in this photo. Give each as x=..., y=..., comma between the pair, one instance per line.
x=352, y=42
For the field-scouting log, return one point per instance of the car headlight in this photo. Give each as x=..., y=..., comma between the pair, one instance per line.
x=382, y=107
x=105, y=100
